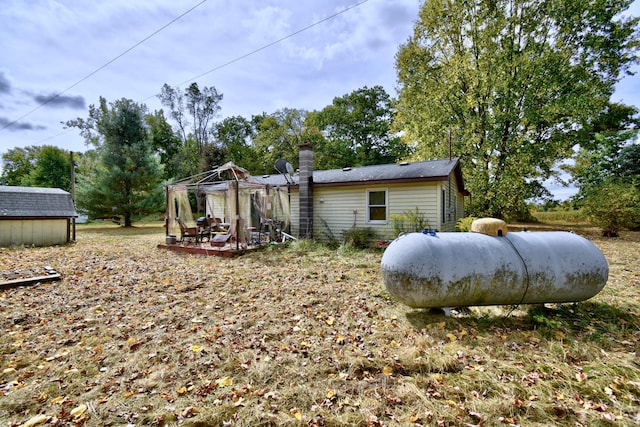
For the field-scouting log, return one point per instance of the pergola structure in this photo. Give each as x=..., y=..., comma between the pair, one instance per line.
x=231, y=195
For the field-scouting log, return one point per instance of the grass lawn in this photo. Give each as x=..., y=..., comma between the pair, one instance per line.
x=299, y=336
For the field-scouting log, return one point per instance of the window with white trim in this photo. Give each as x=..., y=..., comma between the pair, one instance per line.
x=377, y=206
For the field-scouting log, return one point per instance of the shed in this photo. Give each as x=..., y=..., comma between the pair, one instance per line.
x=36, y=216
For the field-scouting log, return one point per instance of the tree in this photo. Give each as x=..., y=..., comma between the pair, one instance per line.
x=125, y=178
x=628, y=168
x=193, y=112
x=165, y=142
x=37, y=166
x=512, y=83
x=278, y=136
x=613, y=205
x=235, y=137
x=609, y=153
x=357, y=130
x=18, y=164
x=52, y=168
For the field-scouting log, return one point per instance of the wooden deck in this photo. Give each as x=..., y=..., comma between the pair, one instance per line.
x=229, y=250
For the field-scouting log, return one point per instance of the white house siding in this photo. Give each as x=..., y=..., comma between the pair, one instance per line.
x=37, y=232
x=294, y=206
x=454, y=200
x=333, y=207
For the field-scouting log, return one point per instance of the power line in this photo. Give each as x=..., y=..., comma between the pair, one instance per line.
x=101, y=67
x=268, y=45
x=226, y=64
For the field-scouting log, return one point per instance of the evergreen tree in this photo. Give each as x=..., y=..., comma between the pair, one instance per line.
x=124, y=181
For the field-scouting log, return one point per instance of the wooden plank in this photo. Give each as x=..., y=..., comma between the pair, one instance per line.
x=29, y=281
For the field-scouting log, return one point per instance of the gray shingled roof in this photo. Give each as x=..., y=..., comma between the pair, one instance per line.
x=30, y=202
x=430, y=170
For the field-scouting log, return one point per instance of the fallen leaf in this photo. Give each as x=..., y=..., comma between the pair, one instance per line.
x=387, y=370
x=224, y=382
x=57, y=400
x=78, y=411
x=34, y=421
x=189, y=412
x=296, y=414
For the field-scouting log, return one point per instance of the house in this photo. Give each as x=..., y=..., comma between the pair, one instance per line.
x=328, y=202
x=35, y=216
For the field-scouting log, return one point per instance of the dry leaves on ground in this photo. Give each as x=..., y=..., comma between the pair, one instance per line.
x=297, y=336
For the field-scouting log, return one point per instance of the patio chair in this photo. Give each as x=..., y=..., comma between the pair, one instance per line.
x=187, y=234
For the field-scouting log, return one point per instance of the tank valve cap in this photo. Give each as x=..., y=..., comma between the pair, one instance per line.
x=429, y=232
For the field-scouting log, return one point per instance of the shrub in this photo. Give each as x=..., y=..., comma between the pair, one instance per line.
x=358, y=238
x=613, y=206
x=410, y=221
x=464, y=224
x=327, y=235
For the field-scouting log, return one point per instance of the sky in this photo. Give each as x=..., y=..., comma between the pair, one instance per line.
x=261, y=55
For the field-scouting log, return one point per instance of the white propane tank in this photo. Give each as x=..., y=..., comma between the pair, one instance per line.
x=430, y=270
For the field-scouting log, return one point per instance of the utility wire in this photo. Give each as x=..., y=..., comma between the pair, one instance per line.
x=268, y=45
x=226, y=64
x=101, y=67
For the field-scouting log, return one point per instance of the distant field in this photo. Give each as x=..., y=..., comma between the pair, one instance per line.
x=575, y=217
x=299, y=336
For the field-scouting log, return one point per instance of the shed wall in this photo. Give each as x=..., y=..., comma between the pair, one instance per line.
x=37, y=232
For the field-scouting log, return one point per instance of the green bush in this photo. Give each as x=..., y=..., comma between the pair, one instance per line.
x=410, y=221
x=613, y=206
x=464, y=224
x=358, y=238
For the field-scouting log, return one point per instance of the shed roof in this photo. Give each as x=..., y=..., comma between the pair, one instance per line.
x=430, y=170
x=35, y=202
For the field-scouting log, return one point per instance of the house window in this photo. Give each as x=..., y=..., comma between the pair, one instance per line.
x=444, y=206
x=377, y=206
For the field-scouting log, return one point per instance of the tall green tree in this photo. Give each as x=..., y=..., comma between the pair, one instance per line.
x=37, y=166
x=357, y=130
x=17, y=165
x=610, y=154
x=125, y=179
x=278, y=136
x=512, y=83
x=167, y=144
x=193, y=111
x=52, y=168
x=235, y=137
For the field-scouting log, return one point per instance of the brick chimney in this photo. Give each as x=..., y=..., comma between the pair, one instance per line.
x=306, y=190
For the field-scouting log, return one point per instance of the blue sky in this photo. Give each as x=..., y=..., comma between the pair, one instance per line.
x=49, y=47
